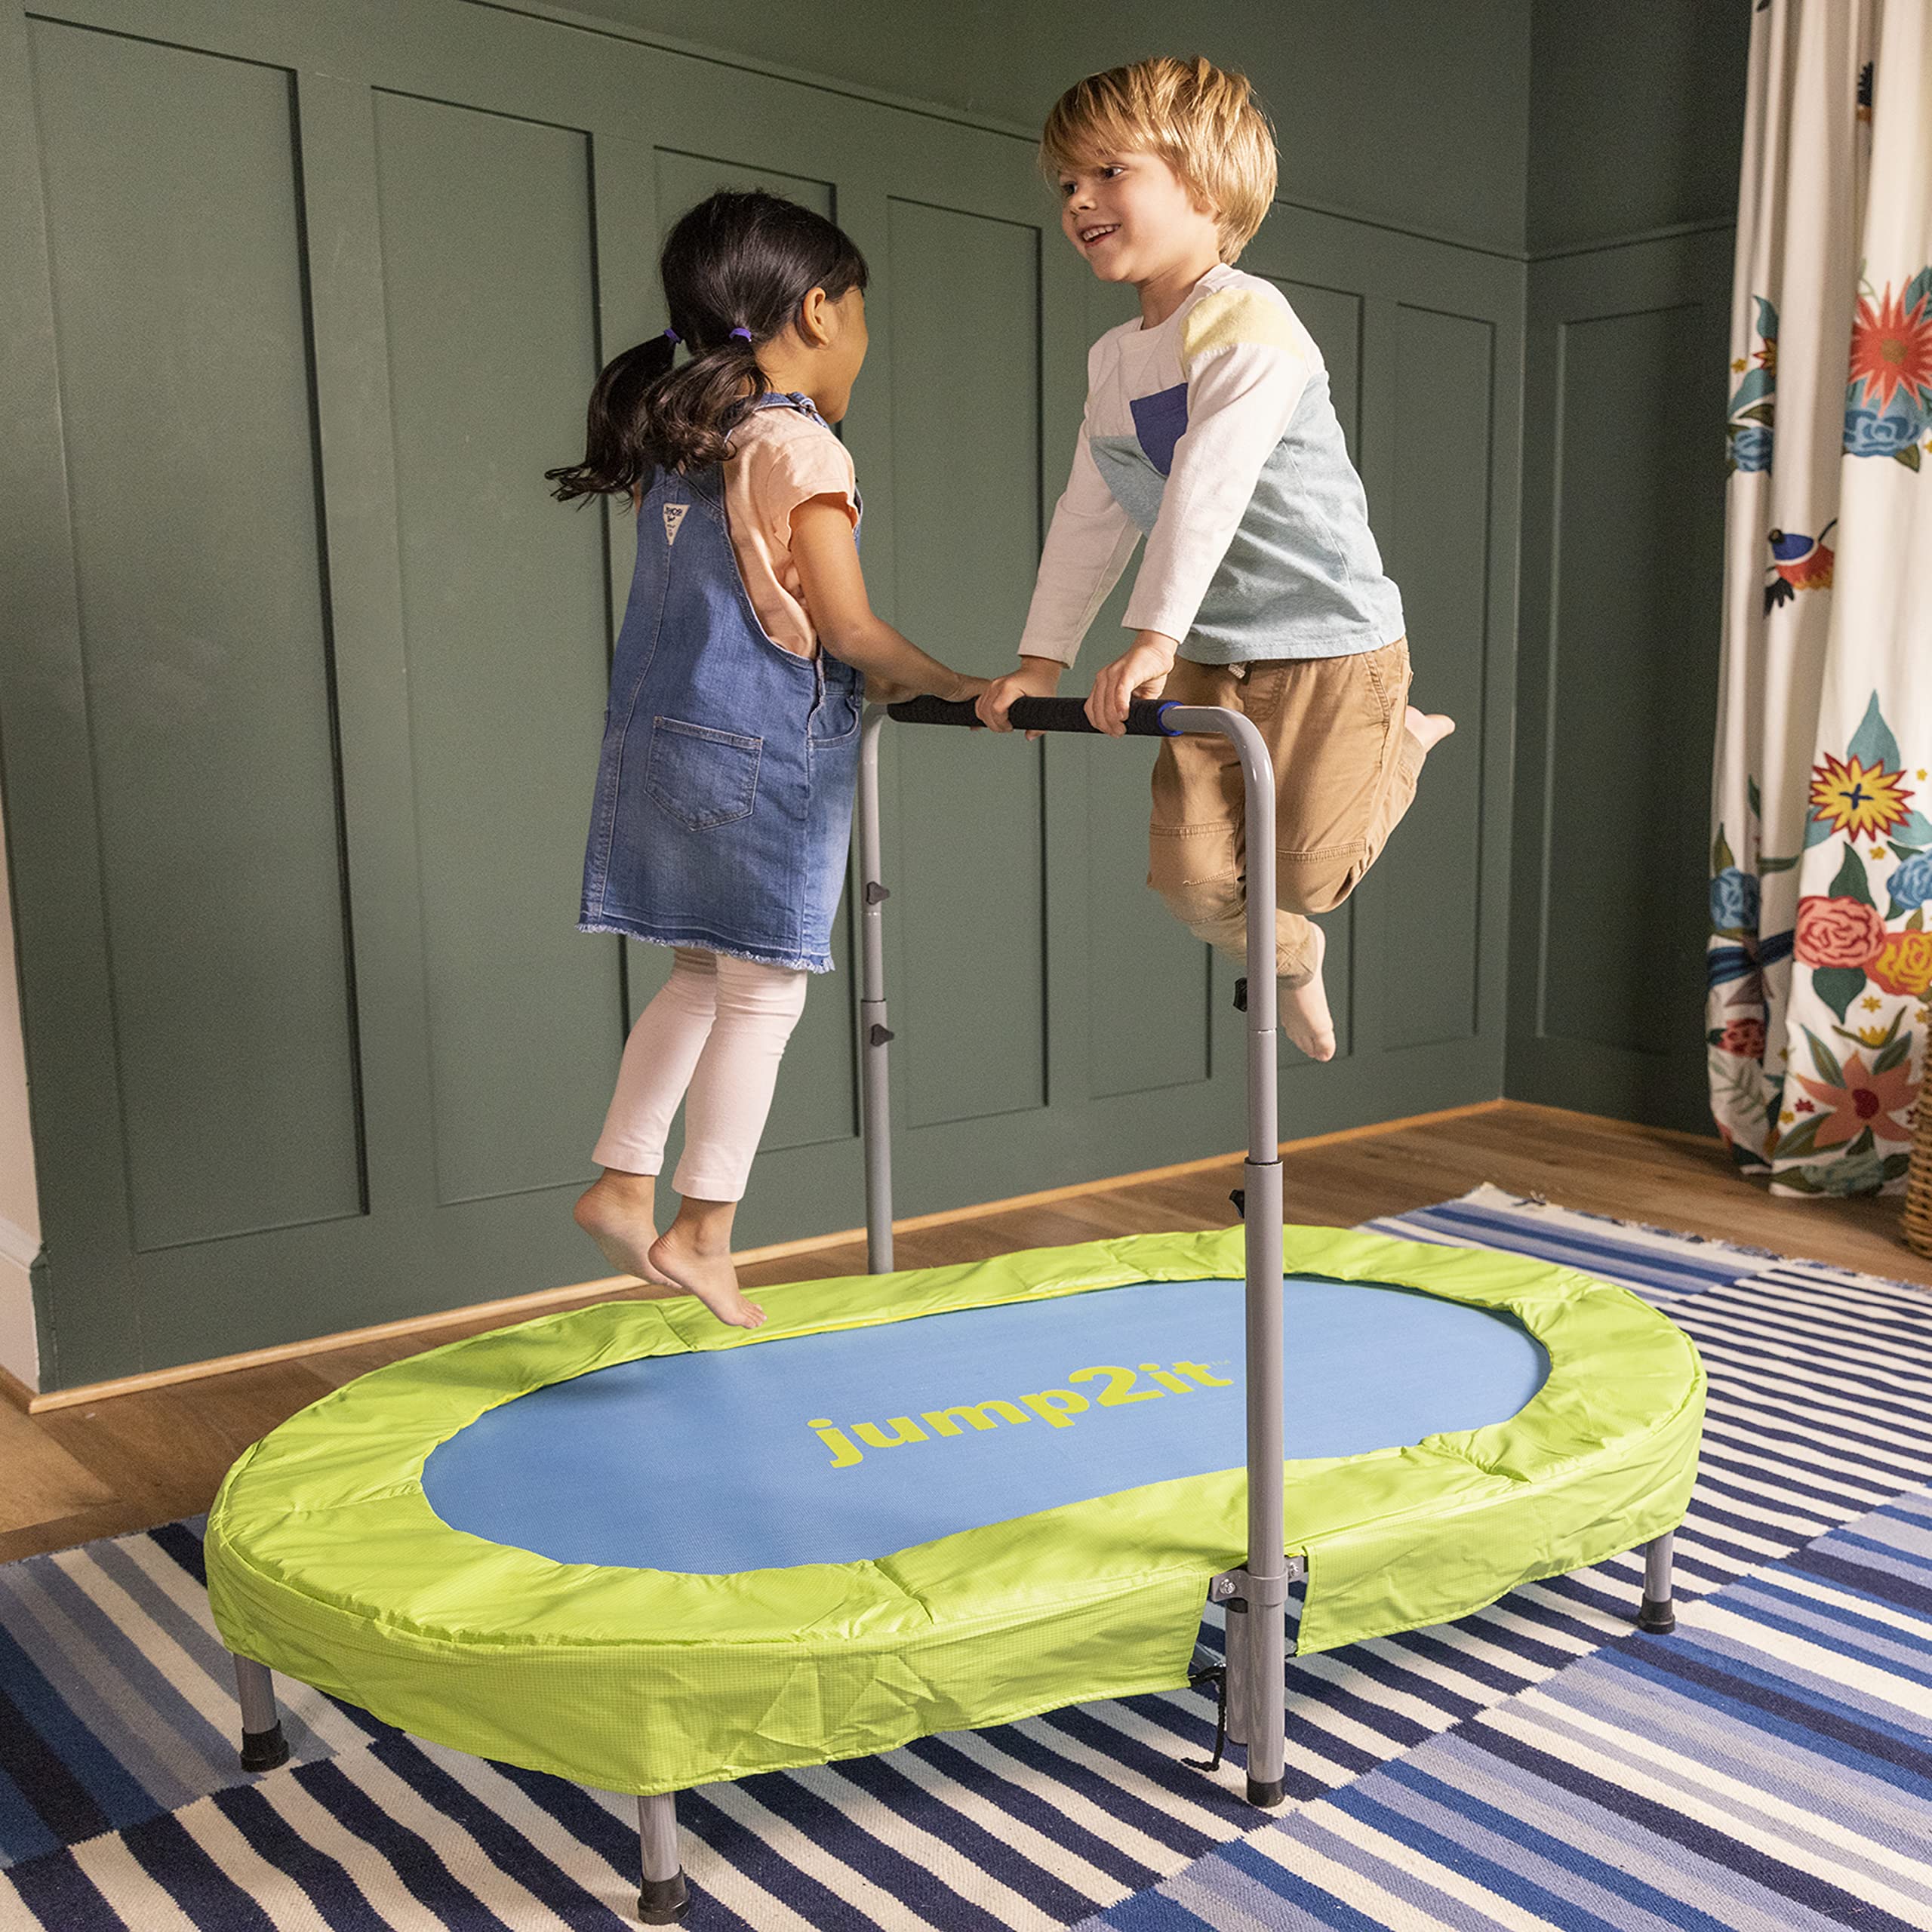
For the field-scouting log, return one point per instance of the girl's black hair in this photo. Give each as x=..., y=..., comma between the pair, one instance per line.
x=739, y=260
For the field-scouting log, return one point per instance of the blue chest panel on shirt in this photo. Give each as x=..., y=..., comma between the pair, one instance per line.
x=1160, y=420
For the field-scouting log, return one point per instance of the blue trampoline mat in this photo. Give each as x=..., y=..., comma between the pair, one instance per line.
x=759, y=1457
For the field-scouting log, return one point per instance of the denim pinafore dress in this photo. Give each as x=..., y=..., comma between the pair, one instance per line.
x=723, y=812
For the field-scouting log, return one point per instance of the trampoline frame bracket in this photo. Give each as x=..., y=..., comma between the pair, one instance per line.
x=1232, y=1583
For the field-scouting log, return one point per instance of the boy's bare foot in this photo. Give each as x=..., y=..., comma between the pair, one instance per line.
x=1304, y=1009
x=705, y=1271
x=1429, y=728
x=615, y=1211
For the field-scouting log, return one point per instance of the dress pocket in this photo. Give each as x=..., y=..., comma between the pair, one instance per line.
x=836, y=717
x=702, y=777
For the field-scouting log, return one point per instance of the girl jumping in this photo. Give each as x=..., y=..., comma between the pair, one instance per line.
x=724, y=801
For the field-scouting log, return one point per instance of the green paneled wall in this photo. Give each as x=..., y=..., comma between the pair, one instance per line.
x=965, y=484
x=1622, y=543
x=1443, y=511
x=190, y=470
x=302, y=673
x=487, y=247
x=1410, y=113
x=1635, y=137
x=1636, y=118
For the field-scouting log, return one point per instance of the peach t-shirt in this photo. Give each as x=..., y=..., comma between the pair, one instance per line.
x=780, y=459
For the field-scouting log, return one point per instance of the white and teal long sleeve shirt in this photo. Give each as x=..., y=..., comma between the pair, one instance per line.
x=1215, y=437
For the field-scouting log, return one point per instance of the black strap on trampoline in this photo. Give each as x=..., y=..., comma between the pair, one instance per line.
x=1215, y=1677
x=1034, y=714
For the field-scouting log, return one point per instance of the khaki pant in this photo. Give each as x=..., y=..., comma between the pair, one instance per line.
x=1345, y=773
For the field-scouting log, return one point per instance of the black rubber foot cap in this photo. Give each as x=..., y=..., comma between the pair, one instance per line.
x=263, y=1750
x=1267, y=1795
x=1657, y=1619
x=663, y=1901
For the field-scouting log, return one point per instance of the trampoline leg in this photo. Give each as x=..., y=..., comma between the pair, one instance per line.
x=1267, y=1699
x=1657, y=1616
x=263, y=1747
x=1239, y=1713
x=1267, y=1583
x=663, y=1900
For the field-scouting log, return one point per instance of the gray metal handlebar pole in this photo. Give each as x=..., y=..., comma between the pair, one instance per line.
x=874, y=1033
x=1262, y=1584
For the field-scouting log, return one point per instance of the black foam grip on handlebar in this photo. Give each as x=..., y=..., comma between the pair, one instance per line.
x=1033, y=714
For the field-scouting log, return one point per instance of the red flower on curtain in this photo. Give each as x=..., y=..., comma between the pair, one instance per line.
x=1745, y=1037
x=1891, y=348
x=1837, y=932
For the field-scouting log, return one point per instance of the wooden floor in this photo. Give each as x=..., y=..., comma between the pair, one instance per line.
x=102, y=1467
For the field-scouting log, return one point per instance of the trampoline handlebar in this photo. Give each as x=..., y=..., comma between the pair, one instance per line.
x=1263, y=1579
x=1034, y=714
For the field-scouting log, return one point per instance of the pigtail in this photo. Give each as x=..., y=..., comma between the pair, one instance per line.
x=692, y=412
x=619, y=450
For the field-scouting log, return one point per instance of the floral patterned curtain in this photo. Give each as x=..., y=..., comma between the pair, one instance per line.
x=1820, y=962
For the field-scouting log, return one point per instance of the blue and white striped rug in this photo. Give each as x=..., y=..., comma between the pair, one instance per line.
x=1534, y=1765
x=1769, y=1766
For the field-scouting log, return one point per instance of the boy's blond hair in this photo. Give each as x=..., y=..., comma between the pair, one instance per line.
x=1203, y=120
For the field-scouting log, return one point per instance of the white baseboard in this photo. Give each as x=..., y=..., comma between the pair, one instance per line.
x=19, y=1340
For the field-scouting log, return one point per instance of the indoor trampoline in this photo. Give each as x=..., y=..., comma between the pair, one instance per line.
x=641, y=1550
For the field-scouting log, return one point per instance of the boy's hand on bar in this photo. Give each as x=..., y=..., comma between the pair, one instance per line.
x=1141, y=671
x=1037, y=677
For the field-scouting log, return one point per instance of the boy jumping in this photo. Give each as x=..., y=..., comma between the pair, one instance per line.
x=1209, y=428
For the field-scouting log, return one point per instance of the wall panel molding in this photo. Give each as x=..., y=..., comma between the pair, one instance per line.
x=1624, y=529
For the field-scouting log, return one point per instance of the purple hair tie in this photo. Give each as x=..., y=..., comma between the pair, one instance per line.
x=745, y=333
x=672, y=336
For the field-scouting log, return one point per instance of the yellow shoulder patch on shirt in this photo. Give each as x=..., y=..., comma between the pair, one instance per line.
x=1230, y=316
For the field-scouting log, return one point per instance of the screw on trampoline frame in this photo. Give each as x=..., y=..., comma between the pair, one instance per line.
x=1238, y=1196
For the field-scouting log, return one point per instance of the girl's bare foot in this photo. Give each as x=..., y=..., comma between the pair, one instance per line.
x=1304, y=1009
x=1429, y=728
x=704, y=1269
x=615, y=1211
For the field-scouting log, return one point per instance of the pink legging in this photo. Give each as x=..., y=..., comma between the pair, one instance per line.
x=713, y=1037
